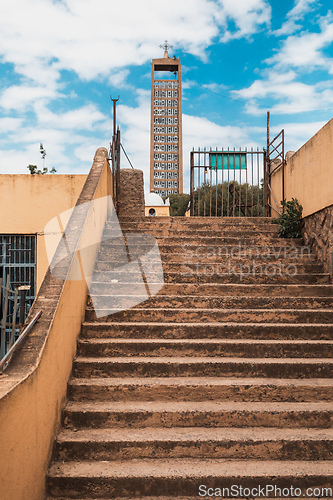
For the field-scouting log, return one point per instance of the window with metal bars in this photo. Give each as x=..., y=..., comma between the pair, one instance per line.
x=18, y=253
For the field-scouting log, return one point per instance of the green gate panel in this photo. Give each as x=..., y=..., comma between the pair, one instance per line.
x=229, y=160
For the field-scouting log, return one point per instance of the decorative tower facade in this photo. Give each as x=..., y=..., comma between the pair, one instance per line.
x=166, y=146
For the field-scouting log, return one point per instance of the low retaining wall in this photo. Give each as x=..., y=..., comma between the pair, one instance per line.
x=318, y=235
x=33, y=387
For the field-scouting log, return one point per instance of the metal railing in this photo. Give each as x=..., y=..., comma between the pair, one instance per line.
x=227, y=183
x=12, y=302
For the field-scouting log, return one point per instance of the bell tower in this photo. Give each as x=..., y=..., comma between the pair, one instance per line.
x=166, y=147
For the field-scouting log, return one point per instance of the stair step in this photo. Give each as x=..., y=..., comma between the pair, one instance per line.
x=189, y=315
x=209, y=255
x=200, y=389
x=215, y=231
x=258, y=443
x=203, y=366
x=196, y=219
x=222, y=379
x=236, y=276
x=222, y=302
x=222, y=243
x=172, y=330
x=136, y=414
x=182, y=477
x=225, y=289
x=206, y=347
x=222, y=267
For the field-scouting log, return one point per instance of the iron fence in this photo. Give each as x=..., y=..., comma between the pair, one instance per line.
x=18, y=284
x=227, y=183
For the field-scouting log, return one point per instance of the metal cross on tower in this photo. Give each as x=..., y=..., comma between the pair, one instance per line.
x=166, y=46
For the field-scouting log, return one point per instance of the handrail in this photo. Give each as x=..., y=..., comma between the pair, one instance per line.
x=5, y=360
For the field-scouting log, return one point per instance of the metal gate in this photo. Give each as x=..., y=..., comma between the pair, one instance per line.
x=227, y=183
x=18, y=260
x=275, y=160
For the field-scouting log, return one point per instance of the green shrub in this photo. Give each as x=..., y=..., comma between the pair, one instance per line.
x=290, y=220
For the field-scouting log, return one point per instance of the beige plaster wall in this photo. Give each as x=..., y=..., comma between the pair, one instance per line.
x=30, y=201
x=160, y=211
x=33, y=387
x=308, y=174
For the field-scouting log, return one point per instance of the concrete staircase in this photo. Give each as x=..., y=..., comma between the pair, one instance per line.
x=221, y=379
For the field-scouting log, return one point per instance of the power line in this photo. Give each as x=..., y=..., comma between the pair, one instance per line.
x=258, y=105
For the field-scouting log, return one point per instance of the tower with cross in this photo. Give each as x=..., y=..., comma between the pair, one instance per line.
x=166, y=148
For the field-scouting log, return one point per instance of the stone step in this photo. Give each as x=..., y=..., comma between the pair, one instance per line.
x=130, y=498
x=179, y=366
x=187, y=315
x=255, y=240
x=193, y=389
x=188, y=266
x=212, y=302
x=183, y=477
x=224, y=289
x=205, y=221
x=173, y=231
x=154, y=497
x=208, y=414
x=204, y=347
x=210, y=255
x=205, y=233
x=234, y=274
x=258, y=443
x=221, y=330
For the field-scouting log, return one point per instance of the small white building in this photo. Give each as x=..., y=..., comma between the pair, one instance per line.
x=155, y=206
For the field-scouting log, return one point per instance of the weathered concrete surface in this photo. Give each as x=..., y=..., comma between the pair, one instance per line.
x=216, y=380
x=132, y=199
x=318, y=235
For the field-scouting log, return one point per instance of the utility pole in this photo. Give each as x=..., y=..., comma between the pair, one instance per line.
x=114, y=115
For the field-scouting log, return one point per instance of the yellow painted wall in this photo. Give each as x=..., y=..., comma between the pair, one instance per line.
x=309, y=173
x=30, y=201
x=33, y=387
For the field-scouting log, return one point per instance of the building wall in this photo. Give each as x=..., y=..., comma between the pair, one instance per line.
x=309, y=174
x=33, y=388
x=309, y=178
x=30, y=201
x=160, y=211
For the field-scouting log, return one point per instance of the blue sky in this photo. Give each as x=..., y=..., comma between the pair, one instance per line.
x=60, y=60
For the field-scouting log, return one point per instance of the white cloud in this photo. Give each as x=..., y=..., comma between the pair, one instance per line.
x=10, y=124
x=23, y=97
x=304, y=50
x=297, y=13
x=84, y=118
x=292, y=96
x=248, y=15
x=93, y=37
x=297, y=134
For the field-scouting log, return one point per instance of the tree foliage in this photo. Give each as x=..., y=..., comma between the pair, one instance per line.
x=33, y=169
x=219, y=200
x=290, y=220
x=178, y=204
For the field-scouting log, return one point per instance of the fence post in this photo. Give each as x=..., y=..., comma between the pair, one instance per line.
x=4, y=319
x=11, y=341
x=192, y=184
